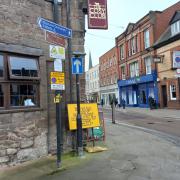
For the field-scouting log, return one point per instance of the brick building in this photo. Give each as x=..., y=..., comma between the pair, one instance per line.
x=137, y=70
x=108, y=76
x=27, y=109
x=168, y=49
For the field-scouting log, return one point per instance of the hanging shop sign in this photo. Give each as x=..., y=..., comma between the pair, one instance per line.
x=57, y=81
x=97, y=14
x=56, y=52
x=89, y=115
x=176, y=59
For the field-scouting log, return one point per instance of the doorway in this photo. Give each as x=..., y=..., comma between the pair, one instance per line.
x=164, y=95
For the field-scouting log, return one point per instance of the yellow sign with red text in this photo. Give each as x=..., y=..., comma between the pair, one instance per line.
x=89, y=115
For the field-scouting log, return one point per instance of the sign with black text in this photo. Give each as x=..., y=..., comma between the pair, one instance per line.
x=97, y=14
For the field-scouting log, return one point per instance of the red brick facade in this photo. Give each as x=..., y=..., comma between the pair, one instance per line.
x=108, y=70
x=137, y=41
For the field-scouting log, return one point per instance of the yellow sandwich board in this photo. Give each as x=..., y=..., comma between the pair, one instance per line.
x=89, y=115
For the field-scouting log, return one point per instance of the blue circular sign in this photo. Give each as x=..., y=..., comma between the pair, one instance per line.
x=177, y=59
x=53, y=80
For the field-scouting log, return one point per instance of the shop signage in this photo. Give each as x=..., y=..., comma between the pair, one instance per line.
x=97, y=14
x=176, y=59
x=89, y=114
x=57, y=81
x=56, y=52
x=53, y=39
x=54, y=28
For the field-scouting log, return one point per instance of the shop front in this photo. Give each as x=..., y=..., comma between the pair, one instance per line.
x=136, y=91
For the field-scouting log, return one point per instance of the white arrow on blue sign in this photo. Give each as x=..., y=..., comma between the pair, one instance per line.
x=54, y=28
x=77, y=65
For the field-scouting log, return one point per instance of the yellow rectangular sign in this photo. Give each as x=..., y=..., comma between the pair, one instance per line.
x=57, y=81
x=57, y=78
x=89, y=115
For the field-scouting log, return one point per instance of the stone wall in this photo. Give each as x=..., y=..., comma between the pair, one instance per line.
x=22, y=137
x=30, y=133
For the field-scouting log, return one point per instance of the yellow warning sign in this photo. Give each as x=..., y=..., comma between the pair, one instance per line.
x=89, y=115
x=57, y=81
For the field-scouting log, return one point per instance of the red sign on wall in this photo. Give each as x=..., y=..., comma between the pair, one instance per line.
x=97, y=14
x=54, y=39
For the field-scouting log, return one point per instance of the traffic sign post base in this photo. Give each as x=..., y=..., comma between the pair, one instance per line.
x=80, y=152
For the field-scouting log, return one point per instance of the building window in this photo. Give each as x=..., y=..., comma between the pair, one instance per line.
x=129, y=48
x=148, y=65
x=173, y=92
x=123, y=75
x=19, y=85
x=146, y=39
x=134, y=45
x=175, y=28
x=134, y=69
x=122, y=52
x=22, y=68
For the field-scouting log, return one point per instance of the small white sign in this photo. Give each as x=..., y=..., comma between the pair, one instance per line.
x=56, y=52
x=178, y=71
x=57, y=87
x=58, y=65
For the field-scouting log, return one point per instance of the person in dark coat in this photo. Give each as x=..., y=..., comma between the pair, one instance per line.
x=123, y=103
x=102, y=102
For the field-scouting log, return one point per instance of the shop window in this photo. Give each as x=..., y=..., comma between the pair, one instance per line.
x=19, y=86
x=173, y=92
x=143, y=97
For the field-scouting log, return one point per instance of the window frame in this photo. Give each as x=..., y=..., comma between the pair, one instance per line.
x=122, y=51
x=146, y=59
x=175, y=28
x=6, y=82
x=134, y=69
x=123, y=73
x=22, y=77
x=171, y=95
x=146, y=39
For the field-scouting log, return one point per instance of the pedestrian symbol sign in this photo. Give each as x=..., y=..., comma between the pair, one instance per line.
x=77, y=65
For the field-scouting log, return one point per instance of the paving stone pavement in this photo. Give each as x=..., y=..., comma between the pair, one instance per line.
x=132, y=155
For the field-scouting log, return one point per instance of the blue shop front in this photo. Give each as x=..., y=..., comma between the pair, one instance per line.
x=136, y=91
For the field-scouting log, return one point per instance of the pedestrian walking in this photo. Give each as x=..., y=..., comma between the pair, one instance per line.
x=102, y=102
x=123, y=103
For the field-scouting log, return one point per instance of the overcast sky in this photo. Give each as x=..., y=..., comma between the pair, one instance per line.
x=120, y=13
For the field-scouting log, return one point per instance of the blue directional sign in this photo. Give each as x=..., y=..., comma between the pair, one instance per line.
x=77, y=65
x=54, y=28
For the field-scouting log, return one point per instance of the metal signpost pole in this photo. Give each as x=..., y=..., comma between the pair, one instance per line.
x=57, y=93
x=77, y=68
x=79, y=120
